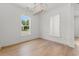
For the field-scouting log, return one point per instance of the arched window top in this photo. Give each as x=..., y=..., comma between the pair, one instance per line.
x=24, y=17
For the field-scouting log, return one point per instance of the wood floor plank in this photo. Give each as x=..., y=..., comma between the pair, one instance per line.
x=40, y=47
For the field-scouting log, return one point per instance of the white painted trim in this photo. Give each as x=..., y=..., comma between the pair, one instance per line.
x=57, y=39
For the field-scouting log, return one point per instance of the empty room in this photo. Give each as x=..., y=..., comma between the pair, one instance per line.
x=39, y=29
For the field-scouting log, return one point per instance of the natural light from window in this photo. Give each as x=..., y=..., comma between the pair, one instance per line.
x=25, y=24
x=55, y=25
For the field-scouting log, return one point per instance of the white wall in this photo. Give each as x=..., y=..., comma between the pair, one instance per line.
x=66, y=25
x=10, y=26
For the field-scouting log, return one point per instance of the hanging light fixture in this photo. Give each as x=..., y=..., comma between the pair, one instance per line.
x=37, y=7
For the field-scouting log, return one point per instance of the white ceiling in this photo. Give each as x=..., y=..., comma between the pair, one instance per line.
x=24, y=5
x=31, y=5
x=49, y=6
x=55, y=5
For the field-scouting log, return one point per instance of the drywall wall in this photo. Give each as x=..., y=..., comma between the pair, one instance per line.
x=10, y=27
x=66, y=24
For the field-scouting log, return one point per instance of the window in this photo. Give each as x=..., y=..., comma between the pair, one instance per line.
x=55, y=25
x=25, y=24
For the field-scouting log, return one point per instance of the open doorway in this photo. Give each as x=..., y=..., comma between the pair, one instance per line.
x=76, y=29
x=76, y=23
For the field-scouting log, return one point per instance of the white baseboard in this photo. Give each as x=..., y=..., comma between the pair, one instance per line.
x=57, y=39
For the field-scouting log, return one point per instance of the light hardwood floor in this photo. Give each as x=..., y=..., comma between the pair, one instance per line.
x=40, y=47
